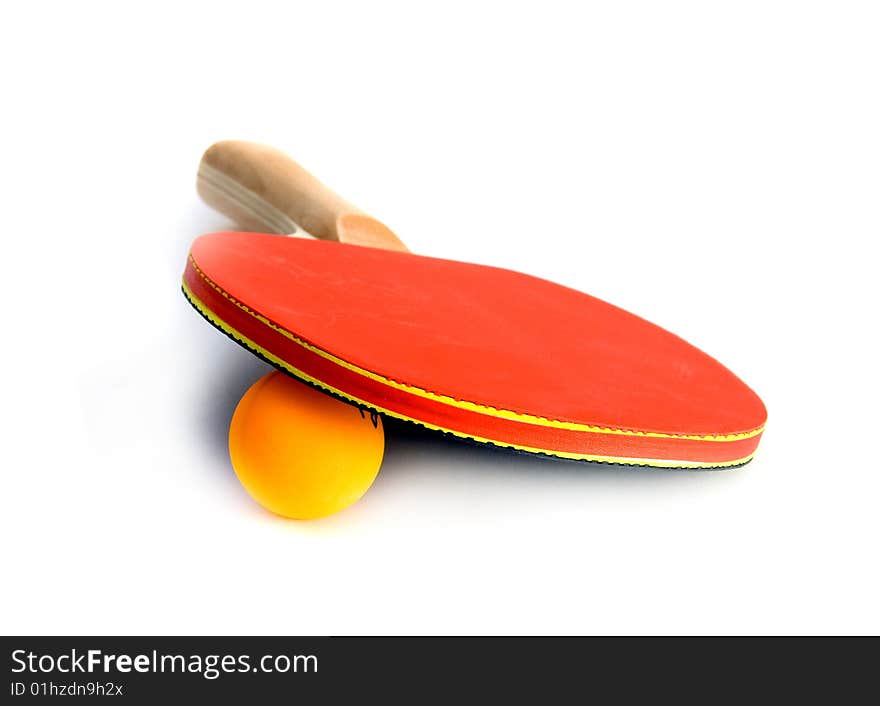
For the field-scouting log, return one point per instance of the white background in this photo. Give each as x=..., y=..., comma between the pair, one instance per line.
x=714, y=167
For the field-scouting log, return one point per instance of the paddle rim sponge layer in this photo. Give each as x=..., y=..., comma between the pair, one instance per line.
x=479, y=352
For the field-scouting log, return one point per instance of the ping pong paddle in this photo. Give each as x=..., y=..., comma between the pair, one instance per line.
x=479, y=352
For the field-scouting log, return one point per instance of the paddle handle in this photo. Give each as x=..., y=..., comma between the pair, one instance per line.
x=264, y=190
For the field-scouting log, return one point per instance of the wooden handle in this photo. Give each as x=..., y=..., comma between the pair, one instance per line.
x=264, y=190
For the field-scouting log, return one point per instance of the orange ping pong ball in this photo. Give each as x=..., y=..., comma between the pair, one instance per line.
x=301, y=453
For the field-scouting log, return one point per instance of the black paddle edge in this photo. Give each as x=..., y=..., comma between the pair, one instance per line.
x=446, y=434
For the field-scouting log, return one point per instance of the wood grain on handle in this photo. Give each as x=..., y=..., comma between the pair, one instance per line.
x=262, y=189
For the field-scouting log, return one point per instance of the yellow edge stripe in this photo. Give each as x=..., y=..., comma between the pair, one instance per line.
x=275, y=360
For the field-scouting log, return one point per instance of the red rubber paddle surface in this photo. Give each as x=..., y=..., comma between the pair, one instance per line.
x=479, y=351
